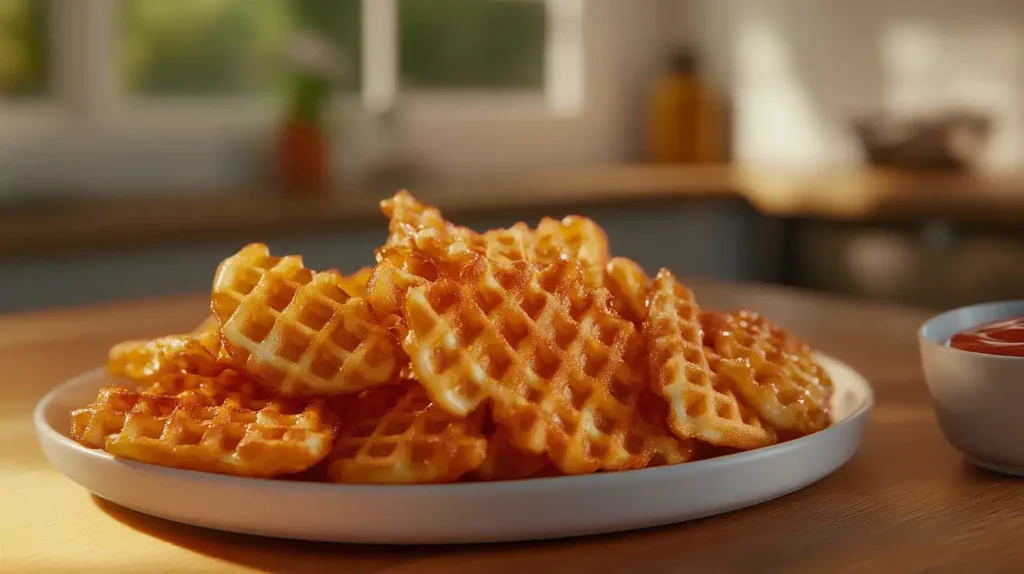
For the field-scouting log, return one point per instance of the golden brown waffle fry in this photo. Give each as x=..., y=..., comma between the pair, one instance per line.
x=574, y=237
x=299, y=332
x=195, y=432
x=355, y=284
x=703, y=406
x=227, y=384
x=208, y=335
x=394, y=435
x=774, y=372
x=505, y=461
x=513, y=244
x=143, y=360
x=509, y=354
x=563, y=372
x=398, y=270
x=577, y=238
x=628, y=284
x=407, y=217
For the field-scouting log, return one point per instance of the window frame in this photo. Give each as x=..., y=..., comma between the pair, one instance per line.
x=88, y=137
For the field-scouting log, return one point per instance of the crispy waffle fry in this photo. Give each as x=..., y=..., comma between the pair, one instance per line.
x=703, y=406
x=513, y=244
x=355, y=284
x=564, y=373
x=575, y=237
x=774, y=372
x=229, y=383
x=505, y=461
x=299, y=332
x=407, y=217
x=143, y=360
x=195, y=432
x=509, y=354
x=394, y=275
x=395, y=436
x=628, y=284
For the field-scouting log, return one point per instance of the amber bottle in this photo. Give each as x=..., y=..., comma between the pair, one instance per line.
x=686, y=123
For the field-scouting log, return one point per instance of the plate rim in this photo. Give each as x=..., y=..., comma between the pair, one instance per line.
x=42, y=427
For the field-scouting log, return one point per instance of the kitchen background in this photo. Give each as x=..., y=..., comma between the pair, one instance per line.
x=873, y=149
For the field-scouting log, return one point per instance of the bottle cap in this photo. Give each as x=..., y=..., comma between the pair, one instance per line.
x=683, y=60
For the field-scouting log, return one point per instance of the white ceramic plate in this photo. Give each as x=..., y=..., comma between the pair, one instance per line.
x=456, y=513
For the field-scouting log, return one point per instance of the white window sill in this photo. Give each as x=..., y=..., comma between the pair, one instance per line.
x=170, y=145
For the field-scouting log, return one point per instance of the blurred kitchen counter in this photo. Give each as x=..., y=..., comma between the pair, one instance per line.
x=938, y=240
x=59, y=224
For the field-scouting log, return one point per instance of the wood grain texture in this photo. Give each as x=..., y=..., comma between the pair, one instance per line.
x=905, y=503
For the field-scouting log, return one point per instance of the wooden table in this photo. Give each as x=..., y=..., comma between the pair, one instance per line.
x=905, y=503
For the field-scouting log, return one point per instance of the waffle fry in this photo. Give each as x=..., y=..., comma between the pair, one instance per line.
x=143, y=360
x=407, y=217
x=575, y=237
x=513, y=244
x=703, y=406
x=355, y=285
x=228, y=384
x=628, y=284
x=195, y=432
x=563, y=372
x=397, y=272
x=505, y=461
x=511, y=354
x=396, y=436
x=773, y=371
x=297, y=331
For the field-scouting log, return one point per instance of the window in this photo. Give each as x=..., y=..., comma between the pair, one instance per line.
x=227, y=47
x=451, y=44
x=184, y=93
x=192, y=48
x=23, y=48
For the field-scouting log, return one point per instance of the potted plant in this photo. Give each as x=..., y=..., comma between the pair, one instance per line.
x=304, y=153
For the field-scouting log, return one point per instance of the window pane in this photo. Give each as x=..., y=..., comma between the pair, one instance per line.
x=472, y=43
x=227, y=47
x=24, y=39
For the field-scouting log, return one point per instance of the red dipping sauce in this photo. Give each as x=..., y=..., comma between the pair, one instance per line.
x=1005, y=337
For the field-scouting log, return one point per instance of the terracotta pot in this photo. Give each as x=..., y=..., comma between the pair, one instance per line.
x=303, y=158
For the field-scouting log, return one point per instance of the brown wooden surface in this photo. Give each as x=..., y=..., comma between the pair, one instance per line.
x=905, y=503
x=852, y=194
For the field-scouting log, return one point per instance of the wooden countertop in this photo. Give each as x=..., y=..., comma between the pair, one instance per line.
x=905, y=503
x=58, y=224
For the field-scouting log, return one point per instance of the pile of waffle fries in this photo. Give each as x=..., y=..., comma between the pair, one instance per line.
x=509, y=354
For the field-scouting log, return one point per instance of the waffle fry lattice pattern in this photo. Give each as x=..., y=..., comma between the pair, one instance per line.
x=506, y=354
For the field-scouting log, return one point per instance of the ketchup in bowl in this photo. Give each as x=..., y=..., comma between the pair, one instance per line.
x=1004, y=337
